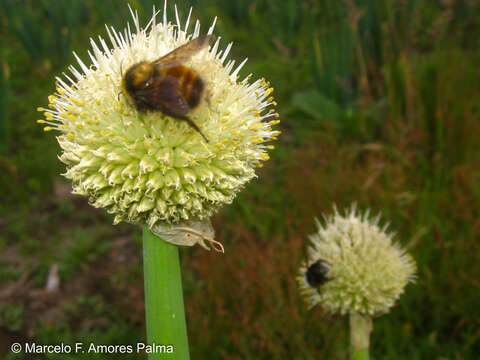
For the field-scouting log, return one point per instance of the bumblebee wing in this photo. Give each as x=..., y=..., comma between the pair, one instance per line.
x=184, y=52
x=163, y=95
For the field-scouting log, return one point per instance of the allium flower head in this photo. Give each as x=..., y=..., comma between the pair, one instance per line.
x=354, y=267
x=149, y=167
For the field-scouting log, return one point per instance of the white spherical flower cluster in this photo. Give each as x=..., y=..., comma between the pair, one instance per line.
x=146, y=167
x=354, y=266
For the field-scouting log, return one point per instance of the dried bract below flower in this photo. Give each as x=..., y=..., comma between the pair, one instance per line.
x=361, y=269
x=145, y=166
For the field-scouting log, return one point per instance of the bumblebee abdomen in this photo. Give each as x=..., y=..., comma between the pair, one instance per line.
x=190, y=85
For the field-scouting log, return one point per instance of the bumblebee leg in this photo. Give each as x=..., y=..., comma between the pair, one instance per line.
x=194, y=126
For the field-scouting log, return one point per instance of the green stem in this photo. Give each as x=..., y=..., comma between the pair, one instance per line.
x=164, y=308
x=360, y=329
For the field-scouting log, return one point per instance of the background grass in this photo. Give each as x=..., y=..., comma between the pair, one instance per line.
x=379, y=103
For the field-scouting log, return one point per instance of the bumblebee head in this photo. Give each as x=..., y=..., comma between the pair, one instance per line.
x=137, y=76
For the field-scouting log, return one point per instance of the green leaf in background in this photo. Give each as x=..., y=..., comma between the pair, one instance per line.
x=318, y=106
x=4, y=100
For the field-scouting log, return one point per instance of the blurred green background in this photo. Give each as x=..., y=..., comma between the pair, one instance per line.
x=379, y=103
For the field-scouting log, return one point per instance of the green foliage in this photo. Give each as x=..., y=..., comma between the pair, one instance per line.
x=44, y=44
x=318, y=106
x=84, y=248
x=379, y=103
x=11, y=317
x=4, y=102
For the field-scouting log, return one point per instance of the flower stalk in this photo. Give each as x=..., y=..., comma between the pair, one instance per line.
x=164, y=309
x=360, y=328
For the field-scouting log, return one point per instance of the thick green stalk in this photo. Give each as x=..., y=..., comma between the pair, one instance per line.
x=165, y=315
x=360, y=329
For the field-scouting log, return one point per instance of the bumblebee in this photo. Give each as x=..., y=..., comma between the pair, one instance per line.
x=317, y=273
x=167, y=85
